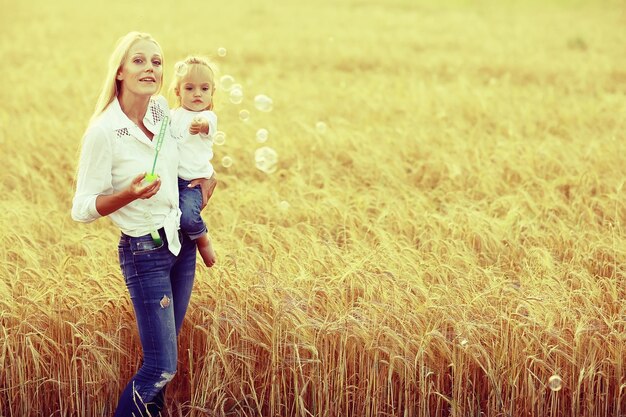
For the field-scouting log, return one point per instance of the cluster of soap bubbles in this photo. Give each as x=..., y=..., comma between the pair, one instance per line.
x=266, y=158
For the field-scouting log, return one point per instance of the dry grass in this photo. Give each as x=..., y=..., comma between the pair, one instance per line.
x=454, y=239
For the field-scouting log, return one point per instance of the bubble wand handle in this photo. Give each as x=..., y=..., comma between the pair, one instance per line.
x=159, y=142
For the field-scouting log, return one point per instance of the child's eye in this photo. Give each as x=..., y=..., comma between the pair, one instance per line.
x=137, y=60
x=188, y=88
x=156, y=62
x=205, y=88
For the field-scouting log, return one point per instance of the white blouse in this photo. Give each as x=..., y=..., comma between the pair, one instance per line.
x=196, y=151
x=114, y=151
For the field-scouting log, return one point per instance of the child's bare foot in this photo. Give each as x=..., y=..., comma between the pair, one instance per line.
x=206, y=250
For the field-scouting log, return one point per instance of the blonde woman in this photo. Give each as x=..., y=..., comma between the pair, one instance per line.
x=157, y=261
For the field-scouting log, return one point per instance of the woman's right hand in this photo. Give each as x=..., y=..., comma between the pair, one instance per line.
x=107, y=204
x=137, y=190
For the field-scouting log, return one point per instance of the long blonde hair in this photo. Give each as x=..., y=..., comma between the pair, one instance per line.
x=111, y=87
x=182, y=68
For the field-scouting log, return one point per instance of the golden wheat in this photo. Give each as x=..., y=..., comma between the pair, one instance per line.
x=452, y=240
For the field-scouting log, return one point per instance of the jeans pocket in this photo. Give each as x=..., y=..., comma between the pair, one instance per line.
x=144, y=245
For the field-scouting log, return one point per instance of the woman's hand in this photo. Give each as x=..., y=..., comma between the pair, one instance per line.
x=207, y=186
x=137, y=190
x=107, y=204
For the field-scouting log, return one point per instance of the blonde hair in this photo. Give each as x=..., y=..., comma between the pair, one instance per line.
x=182, y=68
x=111, y=86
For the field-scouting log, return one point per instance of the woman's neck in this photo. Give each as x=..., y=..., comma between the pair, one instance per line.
x=134, y=106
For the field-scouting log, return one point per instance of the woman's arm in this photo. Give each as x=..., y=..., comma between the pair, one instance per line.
x=95, y=196
x=107, y=204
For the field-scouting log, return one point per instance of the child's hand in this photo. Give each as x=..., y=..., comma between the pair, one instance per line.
x=199, y=125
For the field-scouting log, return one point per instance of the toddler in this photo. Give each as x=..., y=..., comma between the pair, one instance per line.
x=193, y=123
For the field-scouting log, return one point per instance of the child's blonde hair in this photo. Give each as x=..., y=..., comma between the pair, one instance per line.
x=111, y=87
x=182, y=68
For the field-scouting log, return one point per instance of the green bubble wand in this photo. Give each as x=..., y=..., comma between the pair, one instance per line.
x=152, y=176
x=159, y=142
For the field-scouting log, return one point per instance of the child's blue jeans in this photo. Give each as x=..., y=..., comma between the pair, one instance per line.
x=190, y=202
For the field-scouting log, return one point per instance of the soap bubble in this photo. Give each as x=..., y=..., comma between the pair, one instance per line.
x=263, y=103
x=555, y=383
x=244, y=115
x=221, y=51
x=283, y=205
x=227, y=161
x=227, y=82
x=266, y=159
x=261, y=135
x=320, y=127
x=236, y=94
x=219, y=138
x=181, y=69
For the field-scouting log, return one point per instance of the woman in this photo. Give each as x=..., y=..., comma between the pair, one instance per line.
x=158, y=263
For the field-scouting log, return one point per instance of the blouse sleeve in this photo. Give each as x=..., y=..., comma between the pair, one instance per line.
x=94, y=175
x=211, y=117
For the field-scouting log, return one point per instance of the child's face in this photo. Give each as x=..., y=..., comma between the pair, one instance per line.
x=142, y=71
x=196, y=89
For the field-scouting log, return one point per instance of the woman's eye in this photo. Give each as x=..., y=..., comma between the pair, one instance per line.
x=138, y=60
x=156, y=63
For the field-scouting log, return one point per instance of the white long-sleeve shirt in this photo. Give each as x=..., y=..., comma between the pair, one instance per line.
x=195, y=151
x=114, y=151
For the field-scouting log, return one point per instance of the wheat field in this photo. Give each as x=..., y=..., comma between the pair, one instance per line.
x=444, y=234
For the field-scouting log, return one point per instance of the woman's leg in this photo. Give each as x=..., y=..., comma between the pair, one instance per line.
x=182, y=277
x=146, y=271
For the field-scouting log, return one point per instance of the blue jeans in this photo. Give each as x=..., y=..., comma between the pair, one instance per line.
x=190, y=202
x=160, y=286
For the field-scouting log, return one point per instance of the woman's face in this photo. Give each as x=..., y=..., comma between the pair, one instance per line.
x=142, y=71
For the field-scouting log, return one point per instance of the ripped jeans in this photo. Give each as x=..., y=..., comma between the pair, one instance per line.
x=160, y=286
